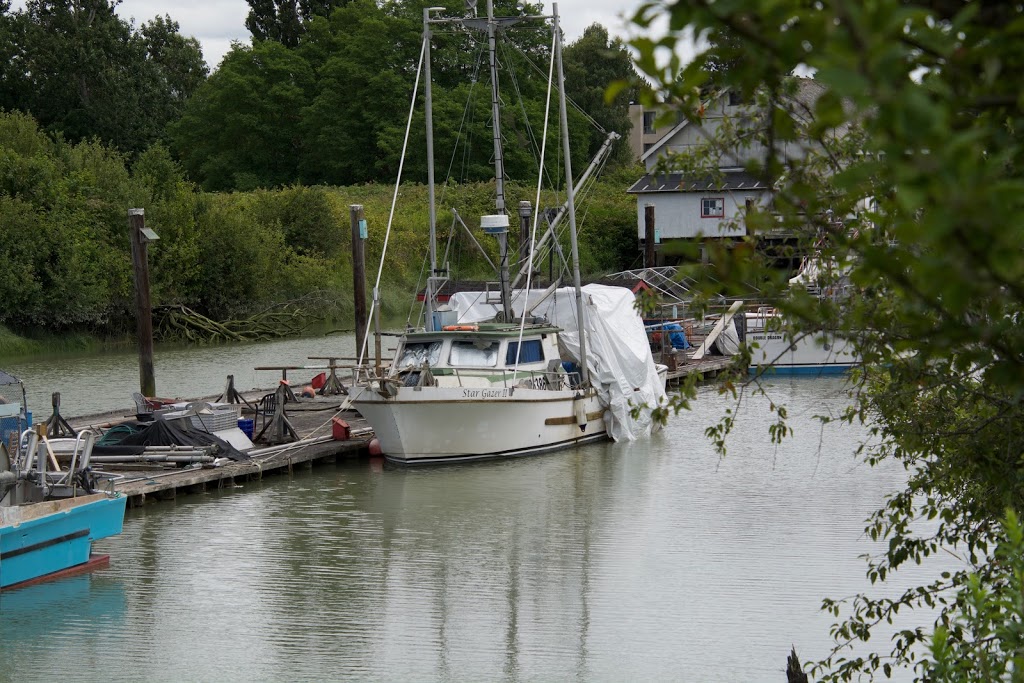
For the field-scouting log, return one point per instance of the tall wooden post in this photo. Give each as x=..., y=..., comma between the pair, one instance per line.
x=143, y=308
x=650, y=260
x=359, y=273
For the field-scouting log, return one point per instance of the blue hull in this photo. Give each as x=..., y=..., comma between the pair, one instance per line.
x=836, y=369
x=53, y=536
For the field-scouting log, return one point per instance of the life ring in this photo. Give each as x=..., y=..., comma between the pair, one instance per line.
x=461, y=328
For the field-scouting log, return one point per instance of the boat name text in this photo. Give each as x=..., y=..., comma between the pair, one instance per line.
x=485, y=393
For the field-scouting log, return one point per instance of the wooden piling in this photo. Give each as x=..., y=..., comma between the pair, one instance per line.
x=359, y=272
x=143, y=307
x=650, y=260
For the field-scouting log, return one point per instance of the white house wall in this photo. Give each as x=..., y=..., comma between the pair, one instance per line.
x=677, y=214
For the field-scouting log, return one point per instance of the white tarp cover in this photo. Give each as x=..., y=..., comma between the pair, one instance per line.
x=619, y=356
x=728, y=342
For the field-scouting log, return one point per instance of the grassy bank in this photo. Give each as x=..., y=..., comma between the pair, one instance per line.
x=13, y=345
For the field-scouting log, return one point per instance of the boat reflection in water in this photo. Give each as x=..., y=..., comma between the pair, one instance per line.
x=74, y=616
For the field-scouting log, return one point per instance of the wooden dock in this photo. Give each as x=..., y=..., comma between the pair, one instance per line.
x=706, y=368
x=311, y=418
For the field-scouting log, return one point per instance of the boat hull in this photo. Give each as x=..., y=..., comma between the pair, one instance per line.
x=40, y=539
x=805, y=356
x=451, y=424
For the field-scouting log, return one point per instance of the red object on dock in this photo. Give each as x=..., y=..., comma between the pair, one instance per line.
x=319, y=381
x=340, y=429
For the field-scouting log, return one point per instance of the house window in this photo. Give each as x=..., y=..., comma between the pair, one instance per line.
x=751, y=204
x=647, y=146
x=649, y=117
x=735, y=98
x=712, y=207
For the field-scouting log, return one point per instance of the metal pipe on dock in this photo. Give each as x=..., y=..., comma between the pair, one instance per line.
x=122, y=459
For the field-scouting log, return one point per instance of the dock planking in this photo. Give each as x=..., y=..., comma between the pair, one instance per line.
x=311, y=418
x=706, y=368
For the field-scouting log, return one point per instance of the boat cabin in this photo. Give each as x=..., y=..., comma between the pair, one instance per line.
x=482, y=354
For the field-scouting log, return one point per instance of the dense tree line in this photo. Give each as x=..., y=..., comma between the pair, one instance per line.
x=67, y=259
x=328, y=102
x=85, y=73
x=320, y=95
x=115, y=116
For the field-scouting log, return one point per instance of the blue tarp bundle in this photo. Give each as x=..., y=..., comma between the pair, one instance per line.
x=676, y=337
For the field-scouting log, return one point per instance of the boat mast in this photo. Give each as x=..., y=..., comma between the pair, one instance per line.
x=499, y=162
x=570, y=200
x=428, y=323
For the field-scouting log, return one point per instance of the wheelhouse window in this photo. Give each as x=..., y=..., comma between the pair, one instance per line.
x=474, y=354
x=415, y=354
x=532, y=352
x=712, y=207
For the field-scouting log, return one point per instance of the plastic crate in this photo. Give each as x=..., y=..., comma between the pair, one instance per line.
x=220, y=418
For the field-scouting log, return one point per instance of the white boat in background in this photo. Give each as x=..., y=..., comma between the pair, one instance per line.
x=808, y=354
x=517, y=374
x=811, y=353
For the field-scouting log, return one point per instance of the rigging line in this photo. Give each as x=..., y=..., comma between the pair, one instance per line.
x=536, y=214
x=394, y=200
x=444, y=260
x=586, y=194
x=466, y=110
x=467, y=154
x=522, y=106
x=584, y=190
x=568, y=99
x=419, y=278
x=533, y=138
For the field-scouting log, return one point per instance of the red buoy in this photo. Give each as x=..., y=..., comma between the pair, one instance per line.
x=375, y=447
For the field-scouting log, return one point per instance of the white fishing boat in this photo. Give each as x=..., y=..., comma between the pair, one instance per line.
x=810, y=353
x=522, y=372
x=773, y=351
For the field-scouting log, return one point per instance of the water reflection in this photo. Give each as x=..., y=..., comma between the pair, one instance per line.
x=79, y=618
x=648, y=561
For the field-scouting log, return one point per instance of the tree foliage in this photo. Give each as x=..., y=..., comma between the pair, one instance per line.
x=332, y=107
x=592, y=63
x=285, y=21
x=67, y=260
x=81, y=70
x=909, y=186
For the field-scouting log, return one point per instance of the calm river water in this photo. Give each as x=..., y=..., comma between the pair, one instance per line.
x=650, y=561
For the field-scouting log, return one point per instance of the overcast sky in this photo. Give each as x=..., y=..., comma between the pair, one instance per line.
x=215, y=23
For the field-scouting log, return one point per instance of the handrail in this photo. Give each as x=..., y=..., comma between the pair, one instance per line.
x=507, y=377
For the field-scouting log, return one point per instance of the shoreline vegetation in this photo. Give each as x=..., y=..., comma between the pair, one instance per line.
x=64, y=235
